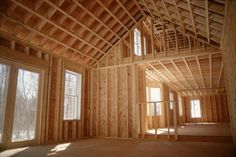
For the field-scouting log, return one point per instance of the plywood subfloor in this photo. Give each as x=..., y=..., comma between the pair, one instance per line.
x=197, y=129
x=125, y=148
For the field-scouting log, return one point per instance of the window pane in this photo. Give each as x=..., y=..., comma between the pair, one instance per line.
x=195, y=109
x=171, y=95
x=180, y=106
x=72, y=95
x=144, y=46
x=137, y=42
x=4, y=76
x=154, y=95
x=24, y=125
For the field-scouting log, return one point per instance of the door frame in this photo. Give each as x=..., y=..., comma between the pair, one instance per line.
x=10, y=104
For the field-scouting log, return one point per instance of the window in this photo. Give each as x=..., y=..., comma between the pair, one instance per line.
x=72, y=95
x=195, y=108
x=137, y=42
x=154, y=94
x=144, y=46
x=4, y=76
x=180, y=106
x=25, y=115
x=171, y=96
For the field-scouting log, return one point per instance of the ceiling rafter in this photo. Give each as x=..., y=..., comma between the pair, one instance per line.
x=220, y=75
x=56, y=25
x=172, y=75
x=127, y=12
x=107, y=10
x=165, y=78
x=210, y=69
x=207, y=21
x=192, y=18
x=78, y=22
x=46, y=36
x=191, y=73
x=200, y=71
x=179, y=71
x=179, y=16
x=95, y=17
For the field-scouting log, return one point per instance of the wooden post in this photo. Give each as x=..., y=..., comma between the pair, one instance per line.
x=134, y=102
x=152, y=39
x=91, y=102
x=175, y=120
x=168, y=119
x=155, y=119
x=142, y=120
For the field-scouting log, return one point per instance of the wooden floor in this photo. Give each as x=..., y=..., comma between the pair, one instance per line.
x=125, y=148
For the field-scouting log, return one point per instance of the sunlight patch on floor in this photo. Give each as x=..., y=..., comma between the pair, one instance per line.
x=58, y=148
x=11, y=152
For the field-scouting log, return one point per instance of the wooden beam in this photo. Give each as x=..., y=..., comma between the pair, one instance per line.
x=127, y=12
x=162, y=58
x=172, y=75
x=179, y=16
x=56, y=25
x=207, y=21
x=123, y=37
x=46, y=36
x=95, y=17
x=210, y=69
x=220, y=75
x=78, y=22
x=166, y=9
x=190, y=71
x=167, y=80
x=200, y=71
x=177, y=68
x=192, y=18
x=157, y=10
x=107, y=10
x=152, y=39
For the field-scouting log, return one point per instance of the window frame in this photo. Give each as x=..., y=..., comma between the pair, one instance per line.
x=194, y=108
x=137, y=44
x=15, y=65
x=148, y=92
x=144, y=45
x=171, y=96
x=74, y=68
x=180, y=105
x=79, y=97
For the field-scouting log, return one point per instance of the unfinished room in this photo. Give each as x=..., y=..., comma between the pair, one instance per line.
x=131, y=78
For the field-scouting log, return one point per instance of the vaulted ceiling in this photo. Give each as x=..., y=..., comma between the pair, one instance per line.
x=81, y=30
x=200, y=19
x=84, y=31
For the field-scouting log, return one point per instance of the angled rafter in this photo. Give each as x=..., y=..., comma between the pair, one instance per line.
x=192, y=18
x=210, y=69
x=107, y=10
x=179, y=16
x=200, y=71
x=166, y=9
x=220, y=75
x=179, y=71
x=190, y=71
x=56, y=25
x=164, y=77
x=78, y=22
x=172, y=75
x=127, y=12
x=95, y=17
x=207, y=21
x=48, y=37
